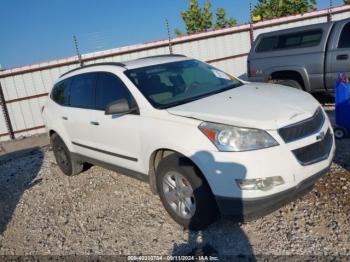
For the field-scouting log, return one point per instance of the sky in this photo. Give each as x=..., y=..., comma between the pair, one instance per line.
x=34, y=31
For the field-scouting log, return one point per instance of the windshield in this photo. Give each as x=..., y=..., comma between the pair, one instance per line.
x=176, y=83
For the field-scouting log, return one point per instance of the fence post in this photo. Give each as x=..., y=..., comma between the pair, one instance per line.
x=329, y=14
x=6, y=114
x=251, y=28
x=169, y=37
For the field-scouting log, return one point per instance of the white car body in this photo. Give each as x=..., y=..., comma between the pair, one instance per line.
x=137, y=137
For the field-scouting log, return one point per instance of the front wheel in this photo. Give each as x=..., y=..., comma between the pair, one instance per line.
x=184, y=193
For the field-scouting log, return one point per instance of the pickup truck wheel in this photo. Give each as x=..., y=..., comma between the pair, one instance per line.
x=63, y=157
x=339, y=133
x=184, y=193
x=291, y=83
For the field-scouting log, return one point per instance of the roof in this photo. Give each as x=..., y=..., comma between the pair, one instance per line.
x=324, y=26
x=153, y=60
x=136, y=63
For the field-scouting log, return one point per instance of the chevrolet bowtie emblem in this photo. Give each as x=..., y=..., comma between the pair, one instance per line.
x=320, y=136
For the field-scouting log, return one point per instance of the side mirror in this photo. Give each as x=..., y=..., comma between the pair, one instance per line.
x=120, y=106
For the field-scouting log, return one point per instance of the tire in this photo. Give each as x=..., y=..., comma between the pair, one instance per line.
x=292, y=83
x=193, y=189
x=340, y=133
x=63, y=157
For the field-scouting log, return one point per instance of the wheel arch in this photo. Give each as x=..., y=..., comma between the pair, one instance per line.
x=157, y=155
x=64, y=137
x=293, y=73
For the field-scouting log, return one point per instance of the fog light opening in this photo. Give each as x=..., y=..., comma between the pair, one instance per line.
x=262, y=184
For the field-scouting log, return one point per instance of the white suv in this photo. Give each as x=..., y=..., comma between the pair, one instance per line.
x=206, y=142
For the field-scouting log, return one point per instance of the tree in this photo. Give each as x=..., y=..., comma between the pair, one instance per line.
x=347, y=2
x=267, y=9
x=221, y=21
x=200, y=19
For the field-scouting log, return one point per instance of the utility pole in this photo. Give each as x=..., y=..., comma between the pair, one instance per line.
x=169, y=37
x=77, y=50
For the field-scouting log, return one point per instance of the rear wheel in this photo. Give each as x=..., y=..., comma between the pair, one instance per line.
x=291, y=83
x=63, y=157
x=184, y=193
x=340, y=132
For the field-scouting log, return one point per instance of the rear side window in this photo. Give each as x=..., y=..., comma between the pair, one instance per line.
x=82, y=91
x=344, y=41
x=293, y=40
x=60, y=93
x=109, y=89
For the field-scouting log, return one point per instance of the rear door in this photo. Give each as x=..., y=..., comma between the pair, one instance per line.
x=79, y=117
x=338, y=57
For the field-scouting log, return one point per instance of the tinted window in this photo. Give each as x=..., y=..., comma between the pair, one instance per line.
x=82, y=91
x=344, y=40
x=110, y=88
x=60, y=93
x=294, y=40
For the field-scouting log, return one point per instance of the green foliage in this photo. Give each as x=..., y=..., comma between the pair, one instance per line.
x=178, y=32
x=221, y=21
x=347, y=2
x=220, y=18
x=267, y=9
x=207, y=17
x=200, y=19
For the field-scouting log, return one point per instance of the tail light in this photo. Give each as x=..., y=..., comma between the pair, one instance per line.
x=251, y=72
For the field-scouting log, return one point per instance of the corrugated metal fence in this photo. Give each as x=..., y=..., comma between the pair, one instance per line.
x=25, y=89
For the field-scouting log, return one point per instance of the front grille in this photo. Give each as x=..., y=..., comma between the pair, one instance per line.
x=304, y=128
x=315, y=152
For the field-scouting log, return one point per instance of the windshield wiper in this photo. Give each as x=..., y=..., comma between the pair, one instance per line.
x=181, y=102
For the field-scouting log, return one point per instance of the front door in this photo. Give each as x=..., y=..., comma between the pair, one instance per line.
x=117, y=136
x=338, y=58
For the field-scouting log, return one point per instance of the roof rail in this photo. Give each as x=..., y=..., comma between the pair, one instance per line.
x=96, y=64
x=155, y=56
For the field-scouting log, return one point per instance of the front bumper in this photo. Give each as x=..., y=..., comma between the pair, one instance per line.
x=250, y=209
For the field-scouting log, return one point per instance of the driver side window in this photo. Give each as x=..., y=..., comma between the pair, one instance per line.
x=110, y=88
x=344, y=40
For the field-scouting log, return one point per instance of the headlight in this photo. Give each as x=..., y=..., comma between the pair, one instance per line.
x=263, y=184
x=230, y=138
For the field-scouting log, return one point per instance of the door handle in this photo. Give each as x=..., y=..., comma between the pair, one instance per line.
x=94, y=123
x=342, y=57
x=64, y=118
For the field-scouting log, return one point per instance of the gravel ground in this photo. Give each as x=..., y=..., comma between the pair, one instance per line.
x=100, y=212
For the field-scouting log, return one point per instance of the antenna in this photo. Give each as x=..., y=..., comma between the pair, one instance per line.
x=169, y=38
x=77, y=50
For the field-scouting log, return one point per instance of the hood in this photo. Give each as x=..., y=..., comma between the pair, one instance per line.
x=254, y=105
